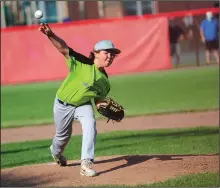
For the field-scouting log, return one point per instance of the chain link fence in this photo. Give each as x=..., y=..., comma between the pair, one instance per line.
x=192, y=49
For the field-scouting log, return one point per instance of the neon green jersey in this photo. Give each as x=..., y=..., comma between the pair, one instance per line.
x=84, y=81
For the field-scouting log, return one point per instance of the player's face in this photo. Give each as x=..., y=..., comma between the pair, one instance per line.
x=106, y=57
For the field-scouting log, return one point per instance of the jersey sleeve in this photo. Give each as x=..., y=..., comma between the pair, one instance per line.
x=75, y=58
x=71, y=61
x=98, y=97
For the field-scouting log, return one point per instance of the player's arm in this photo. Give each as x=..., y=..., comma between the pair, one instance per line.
x=181, y=37
x=181, y=34
x=98, y=100
x=201, y=31
x=202, y=35
x=59, y=43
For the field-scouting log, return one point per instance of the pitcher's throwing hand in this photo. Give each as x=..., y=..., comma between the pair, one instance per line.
x=45, y=29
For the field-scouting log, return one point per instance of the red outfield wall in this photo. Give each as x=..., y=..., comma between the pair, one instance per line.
x=28, y=56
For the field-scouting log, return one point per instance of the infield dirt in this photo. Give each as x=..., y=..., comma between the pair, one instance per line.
x=126, y=170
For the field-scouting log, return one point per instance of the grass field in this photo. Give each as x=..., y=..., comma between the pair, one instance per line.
x=195, y=180
x=148, y=93
x=201, y=140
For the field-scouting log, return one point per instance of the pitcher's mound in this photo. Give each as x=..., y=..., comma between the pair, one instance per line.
x=127, y=170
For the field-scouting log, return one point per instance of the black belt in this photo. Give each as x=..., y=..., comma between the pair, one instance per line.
x=65, y=104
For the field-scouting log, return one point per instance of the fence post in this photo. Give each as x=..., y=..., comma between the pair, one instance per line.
x=197, y=39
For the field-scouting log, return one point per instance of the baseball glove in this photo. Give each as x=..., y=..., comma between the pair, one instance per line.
x=110, y=109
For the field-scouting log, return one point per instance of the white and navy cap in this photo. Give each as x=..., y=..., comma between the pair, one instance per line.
x=106, y=45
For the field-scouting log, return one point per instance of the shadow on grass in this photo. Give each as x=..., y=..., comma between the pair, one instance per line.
x=178, y=133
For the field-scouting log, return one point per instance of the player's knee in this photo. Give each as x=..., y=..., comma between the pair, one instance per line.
x=90, y=125
x=62, y=139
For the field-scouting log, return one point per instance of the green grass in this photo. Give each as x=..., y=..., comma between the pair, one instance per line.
x=140, y=94
x=203, y=140
x=195, y=180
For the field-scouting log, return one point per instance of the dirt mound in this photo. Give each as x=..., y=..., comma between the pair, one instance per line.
x=129, y=170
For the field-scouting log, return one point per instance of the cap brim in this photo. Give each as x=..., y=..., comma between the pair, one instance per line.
x=115, y=50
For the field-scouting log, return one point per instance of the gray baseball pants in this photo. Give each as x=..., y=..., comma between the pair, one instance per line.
x=64, y=115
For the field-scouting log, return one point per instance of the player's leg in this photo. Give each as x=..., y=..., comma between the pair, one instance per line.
x=215, y=47
x=177, y=51
x=63, y=118
x=85, y=115
x=175, y=55
x=207, y=52
x=216, y=55
x=172, y=51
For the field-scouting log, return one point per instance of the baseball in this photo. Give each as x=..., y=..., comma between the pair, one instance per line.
x=38, y=14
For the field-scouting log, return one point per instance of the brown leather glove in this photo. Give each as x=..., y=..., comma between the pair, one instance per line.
x=110, y=109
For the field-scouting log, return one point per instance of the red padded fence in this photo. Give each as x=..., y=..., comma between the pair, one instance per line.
x=28, y=56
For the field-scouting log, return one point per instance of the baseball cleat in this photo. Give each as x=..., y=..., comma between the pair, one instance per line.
x=86, y=168
x=61, y=161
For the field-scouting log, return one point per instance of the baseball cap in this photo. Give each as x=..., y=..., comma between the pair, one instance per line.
x=106, y=45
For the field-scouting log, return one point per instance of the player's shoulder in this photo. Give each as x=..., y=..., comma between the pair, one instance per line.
x=80, y=57
x=105, y=73
x=203, y=22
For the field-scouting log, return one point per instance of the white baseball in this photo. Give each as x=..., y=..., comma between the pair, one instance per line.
x=38, y=14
